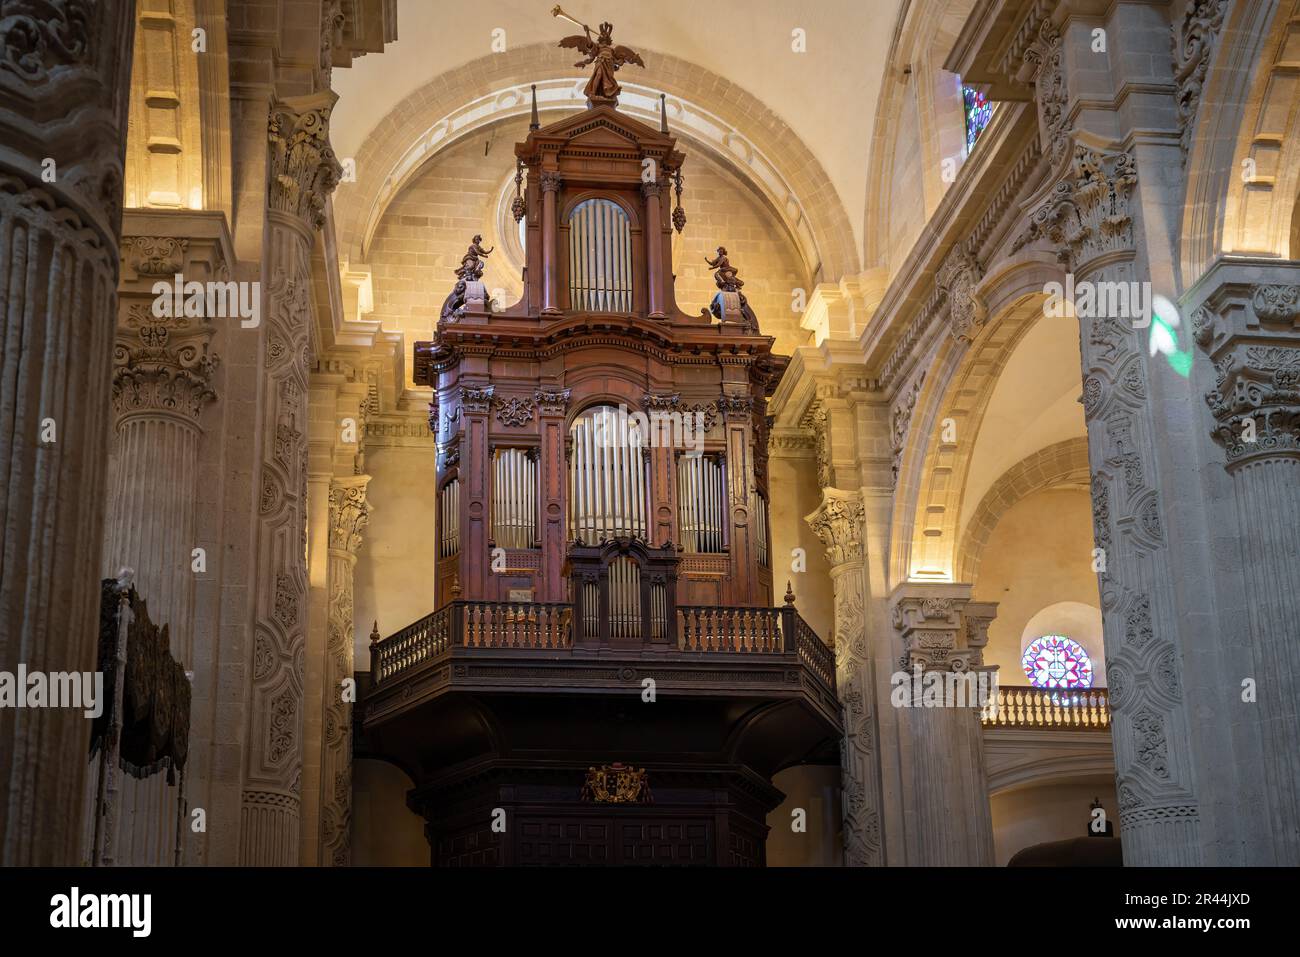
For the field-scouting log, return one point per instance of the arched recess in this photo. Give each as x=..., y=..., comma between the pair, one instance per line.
x=735, y=128
x=924, y=35
x=1062, y=463
x=958, y=387
x=1243, y=171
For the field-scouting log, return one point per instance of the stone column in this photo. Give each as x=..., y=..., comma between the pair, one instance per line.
x=162, y=380
x=349, y=513
x=1249, y=328
x=550, y=183
x=838, y=523
x=945, y=785
x=301, y=173
x=64, y=78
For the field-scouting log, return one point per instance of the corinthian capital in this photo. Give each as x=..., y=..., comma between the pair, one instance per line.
x=1087, y=213
x=349, y=512
x=303, y=170
x=162, y=364
x=838, y=523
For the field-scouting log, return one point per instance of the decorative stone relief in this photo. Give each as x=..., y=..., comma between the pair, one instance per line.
x=958, y=277
x=838, y=523
x=1193, y=41
x=154, y=255
x=901, y=421
x=1088, y=212
x=1043, y=57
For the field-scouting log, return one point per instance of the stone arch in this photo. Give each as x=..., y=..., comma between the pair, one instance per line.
x=924, y=34
x=1057, y=464
x=735, y=128
x=1249, y=110
x=958, y=386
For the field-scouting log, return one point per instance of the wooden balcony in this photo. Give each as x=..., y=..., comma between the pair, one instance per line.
x=768, y=641
x=1041, y=709
x=509, y=705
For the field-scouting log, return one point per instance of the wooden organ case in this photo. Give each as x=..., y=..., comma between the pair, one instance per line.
x=602, y=505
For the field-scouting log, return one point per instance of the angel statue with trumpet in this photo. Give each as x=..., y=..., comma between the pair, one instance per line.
x=602, y=88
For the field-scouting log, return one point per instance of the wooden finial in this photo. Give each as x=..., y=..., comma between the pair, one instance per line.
x=663, y=113
x=534, y=124
x=374, y=632
x=789, y=593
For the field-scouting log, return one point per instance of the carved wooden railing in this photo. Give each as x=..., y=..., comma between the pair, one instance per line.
x=549, y=626
x=1044, y=709
x=755, y=631
x=473, y=624
x=720, y=628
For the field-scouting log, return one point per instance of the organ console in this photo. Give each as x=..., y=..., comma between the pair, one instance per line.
x=595, y=410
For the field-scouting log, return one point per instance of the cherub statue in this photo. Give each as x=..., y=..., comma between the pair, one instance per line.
x=724, y=274
x=602, y=87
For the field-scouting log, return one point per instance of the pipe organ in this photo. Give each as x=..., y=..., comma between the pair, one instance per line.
x=568, y=421
x=602, y=518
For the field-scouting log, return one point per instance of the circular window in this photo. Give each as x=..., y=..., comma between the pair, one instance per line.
x=1054, y=661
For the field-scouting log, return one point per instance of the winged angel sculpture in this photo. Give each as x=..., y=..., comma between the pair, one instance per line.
x=600, y=50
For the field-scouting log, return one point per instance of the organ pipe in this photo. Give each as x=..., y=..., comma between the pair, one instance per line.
x=600, y=257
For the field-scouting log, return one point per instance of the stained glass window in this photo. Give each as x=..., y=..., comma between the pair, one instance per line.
x=1054, y=661
x=978, y=112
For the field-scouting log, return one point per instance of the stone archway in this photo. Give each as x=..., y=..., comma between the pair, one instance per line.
x=734, y=127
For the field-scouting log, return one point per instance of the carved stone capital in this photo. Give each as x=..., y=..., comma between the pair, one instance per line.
x=349, y=512
x=838, y=523
x=162, y=364
x=1256, y=403
x=1251, y=332
x=303, y=168
x=1087, y=213
x=941, y=628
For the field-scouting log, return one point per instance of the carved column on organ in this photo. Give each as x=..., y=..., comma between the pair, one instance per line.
x=476, y=470
x=552, y=404
x=653, y=193
x=550, y=183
